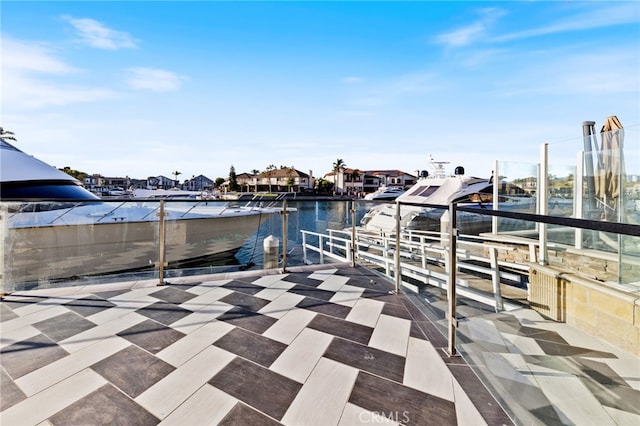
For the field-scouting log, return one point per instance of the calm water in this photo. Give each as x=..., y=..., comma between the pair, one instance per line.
x=318, y=216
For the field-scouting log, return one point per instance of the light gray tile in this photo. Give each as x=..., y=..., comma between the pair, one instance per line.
x=425, y=370
x=192, y=344
x=206, y=301
x=354, y=415
x=269, y=280
x=175, y=388
x=333, y=283
x=466, y=412
x=573, y=399
x=9, y=337
x=366, y=312
x=206, y=286
x=302, y=355
x=207, y=406
x=289, y=326
x=348, y=295
x=391, y=334
x=53, y=399
x=32, y=317
x=323, y=274
x=59, y=370
x=323, y=397
x=108, y=329
x=274, y=290
x=280, y=306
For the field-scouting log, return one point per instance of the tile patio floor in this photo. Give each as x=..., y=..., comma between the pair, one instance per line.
x=323, y=345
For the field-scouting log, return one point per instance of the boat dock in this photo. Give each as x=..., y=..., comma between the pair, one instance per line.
x=325, y=345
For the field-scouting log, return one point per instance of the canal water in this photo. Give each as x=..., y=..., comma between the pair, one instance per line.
x=316, y=216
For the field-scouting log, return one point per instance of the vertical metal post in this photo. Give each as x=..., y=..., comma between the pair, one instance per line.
x=543, y=197
x=353, y=234
x=397, y=252
x=496, y=196
x=589, y=140
x=451, y=288
x=161, y=243
x=578, y=209
x=284, y=235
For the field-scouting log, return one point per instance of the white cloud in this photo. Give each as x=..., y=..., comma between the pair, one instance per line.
x=34, y=57
x=622, y=13
x=31, y=78
x=94, y=34
x=25, y=92
x=352, y=80
x=473, y=32
x=153, y=79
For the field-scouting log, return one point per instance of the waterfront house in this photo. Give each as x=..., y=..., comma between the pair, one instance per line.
x=354, y=181
x=276, y=180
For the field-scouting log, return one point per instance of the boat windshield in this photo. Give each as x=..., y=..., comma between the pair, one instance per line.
x=424, y=191
x=50, y=190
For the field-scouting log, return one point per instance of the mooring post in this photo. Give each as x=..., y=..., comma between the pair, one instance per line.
x=451, y=288
x=161, y=243
x=284, y=235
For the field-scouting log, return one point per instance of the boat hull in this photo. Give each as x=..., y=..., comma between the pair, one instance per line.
x=53, y=252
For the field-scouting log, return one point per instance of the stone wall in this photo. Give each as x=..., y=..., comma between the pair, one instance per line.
x=598, y=309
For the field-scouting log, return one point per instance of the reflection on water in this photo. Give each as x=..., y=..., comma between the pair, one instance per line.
x=315, y=216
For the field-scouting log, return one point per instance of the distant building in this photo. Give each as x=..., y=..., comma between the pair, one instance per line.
x=278, y=180
x=354, y=181
x=198, y=183
x=105, y=185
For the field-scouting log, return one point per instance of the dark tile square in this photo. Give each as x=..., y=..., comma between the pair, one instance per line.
x=104, y=406
x=315, y=293
x=345, y=329
x=302, y=278
x=110, y=293
x=365, y=358
x=408, y=406
x=242, y=415
x=251, y=346
x=398, y=311
x=14, y=302
x=28, y=355
x=433, y=334
x=243, y=287
x=163, y=312
x=381, y=296
x=89, y=305
x=172, y=295
x=245, y=301
x=151, y=336
x=257, y=386
x=132, y=370
x=10, y=393
x=6, y=313
x=324, y=307
x=63, y=326
x=251, y=321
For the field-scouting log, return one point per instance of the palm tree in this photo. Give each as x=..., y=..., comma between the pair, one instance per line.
x=176, y=173
x=270, y=169
x=338, y=167
x=255, y=173
x=6, y=135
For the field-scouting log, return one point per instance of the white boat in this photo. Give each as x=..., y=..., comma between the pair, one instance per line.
x=172, y=194
x=439, y=189
x=385, y=193
x=51, y=227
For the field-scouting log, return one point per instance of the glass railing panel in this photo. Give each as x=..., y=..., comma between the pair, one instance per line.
x=517, y=191
x=46, y=243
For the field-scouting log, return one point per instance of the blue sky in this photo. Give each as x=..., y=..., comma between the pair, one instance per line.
x=148, y=88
